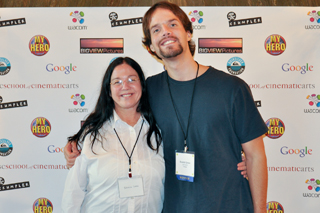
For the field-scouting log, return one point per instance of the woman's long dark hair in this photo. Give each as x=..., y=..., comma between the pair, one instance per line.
x=104, y=108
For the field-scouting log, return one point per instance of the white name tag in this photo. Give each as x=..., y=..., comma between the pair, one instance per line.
x=185, y=166
x=130, y=187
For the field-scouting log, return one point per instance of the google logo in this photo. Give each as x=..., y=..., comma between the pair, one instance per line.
x=301, y=152
x=53, y=149
x=65, y=69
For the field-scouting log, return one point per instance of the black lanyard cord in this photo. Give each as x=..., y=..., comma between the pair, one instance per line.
x=176, y=111
x=132, y=148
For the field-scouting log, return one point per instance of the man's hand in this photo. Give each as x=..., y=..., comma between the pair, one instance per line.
x=243, y=167
x=71, y=152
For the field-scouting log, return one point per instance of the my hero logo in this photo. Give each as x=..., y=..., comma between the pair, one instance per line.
x=275, y=44
x=66, y=69
x=52, y=149
x=275, y=128
x=40, y=127
x=274, y=207
x=286, y=67
x=301, y=152
x=42, y=205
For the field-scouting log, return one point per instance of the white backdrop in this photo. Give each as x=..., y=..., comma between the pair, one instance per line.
x=32, y=168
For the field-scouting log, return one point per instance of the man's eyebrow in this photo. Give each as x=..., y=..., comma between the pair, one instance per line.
x=169, y=21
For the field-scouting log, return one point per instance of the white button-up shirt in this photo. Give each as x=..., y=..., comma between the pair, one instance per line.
x=91, y=184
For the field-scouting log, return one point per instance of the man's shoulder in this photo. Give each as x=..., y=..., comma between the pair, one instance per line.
x=223, y=78
x=156, y=77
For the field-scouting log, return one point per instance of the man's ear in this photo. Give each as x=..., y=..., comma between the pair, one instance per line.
x=189, y=35
x=152, y=48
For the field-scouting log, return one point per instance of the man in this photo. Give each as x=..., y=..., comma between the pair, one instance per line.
x=205, y=111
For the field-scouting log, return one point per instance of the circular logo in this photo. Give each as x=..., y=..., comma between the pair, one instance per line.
x=39, y=45
x=274, y=206
x=5, y=66
x=113, y=16
x=5, y=147
x=1, y=99
x=235, y=66
x=275, y=44
x=231, y=16
x=40, y=127
x=42, y=203
x=275, y=128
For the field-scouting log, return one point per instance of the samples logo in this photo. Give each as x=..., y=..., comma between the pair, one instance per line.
x=286, y=67
x=275, y=44
x=39, y=45
x=77, y=17
x=235, y=66
x=78, y=100
x=197, y=17
x=274, y=207
x=42, y=205
x=233, y=22
x=14, y=104
x=66, y=69
x=5, y=66
x=40, y=127
x=313, y=184
x=5, y=147
x=12, y=22
x=113, y=16
x=220, y=45
x=300, y=152
x=20, y=185
x=101, y=45
x=275, y=128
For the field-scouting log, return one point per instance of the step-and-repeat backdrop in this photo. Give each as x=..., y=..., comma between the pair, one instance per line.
x=52, y=61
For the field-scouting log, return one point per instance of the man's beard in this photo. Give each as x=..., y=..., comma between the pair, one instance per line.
x=170, y=53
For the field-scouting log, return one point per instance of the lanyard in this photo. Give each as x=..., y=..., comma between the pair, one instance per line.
x=129, y=173
x=176, y=111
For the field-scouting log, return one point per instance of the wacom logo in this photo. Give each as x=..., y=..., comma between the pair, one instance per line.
x=197, y=18
x=77, y=17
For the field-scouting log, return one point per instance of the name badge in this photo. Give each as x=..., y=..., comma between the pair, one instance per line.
x=130, y=187
x=185, y=166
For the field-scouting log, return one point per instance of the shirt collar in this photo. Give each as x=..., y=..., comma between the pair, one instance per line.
x=116, y=119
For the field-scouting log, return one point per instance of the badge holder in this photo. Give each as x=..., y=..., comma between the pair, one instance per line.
x=185, y=165
x=130, y=187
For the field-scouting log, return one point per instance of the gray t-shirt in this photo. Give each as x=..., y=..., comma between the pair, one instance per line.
x=223, y=116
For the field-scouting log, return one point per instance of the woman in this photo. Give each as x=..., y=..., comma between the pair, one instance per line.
x=121, y=166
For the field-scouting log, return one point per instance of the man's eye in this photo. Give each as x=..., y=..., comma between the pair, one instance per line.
x=156, y=30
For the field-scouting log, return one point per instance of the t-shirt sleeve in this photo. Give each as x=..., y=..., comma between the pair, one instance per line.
x=247, y=121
